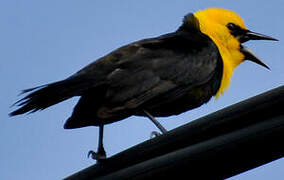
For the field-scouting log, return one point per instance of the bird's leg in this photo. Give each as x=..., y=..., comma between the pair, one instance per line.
x=157, y=124
x=100, y=154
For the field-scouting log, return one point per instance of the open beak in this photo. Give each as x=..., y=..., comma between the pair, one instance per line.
x=249, y=55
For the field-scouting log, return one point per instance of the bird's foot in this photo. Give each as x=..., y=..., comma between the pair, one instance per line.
x=99, y=156
x=154, y=134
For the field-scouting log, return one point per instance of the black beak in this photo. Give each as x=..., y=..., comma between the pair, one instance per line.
x=247, y=35
x=249, y=55
x=257, y=36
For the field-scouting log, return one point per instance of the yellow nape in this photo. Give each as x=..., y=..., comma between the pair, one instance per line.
x=213, y=22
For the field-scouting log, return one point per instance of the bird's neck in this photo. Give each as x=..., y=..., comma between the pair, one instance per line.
x=231, y=57
x=229, y=48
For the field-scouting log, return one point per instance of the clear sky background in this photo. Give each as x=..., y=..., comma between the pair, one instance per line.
x=46, y=41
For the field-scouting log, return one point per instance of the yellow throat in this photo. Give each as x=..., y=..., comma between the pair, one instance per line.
x=213, y=22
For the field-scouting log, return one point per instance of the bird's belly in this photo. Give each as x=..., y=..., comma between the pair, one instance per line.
x=171, y=105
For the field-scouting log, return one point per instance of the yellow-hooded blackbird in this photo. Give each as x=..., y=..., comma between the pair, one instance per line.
x=154, y=77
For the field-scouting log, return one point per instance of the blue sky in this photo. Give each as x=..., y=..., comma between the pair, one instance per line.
x=46, y=41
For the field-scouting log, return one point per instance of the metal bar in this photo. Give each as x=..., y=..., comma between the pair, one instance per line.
x=217, y=158
x=253, y=111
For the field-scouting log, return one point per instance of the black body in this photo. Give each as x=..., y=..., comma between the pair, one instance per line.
x=165, y=76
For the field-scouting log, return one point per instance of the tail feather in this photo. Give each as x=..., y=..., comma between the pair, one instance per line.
x=47, y=95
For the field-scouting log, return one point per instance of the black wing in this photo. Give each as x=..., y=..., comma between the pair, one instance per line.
x=171, y=63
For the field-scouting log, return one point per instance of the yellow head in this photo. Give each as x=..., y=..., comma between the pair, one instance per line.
x=228, y=31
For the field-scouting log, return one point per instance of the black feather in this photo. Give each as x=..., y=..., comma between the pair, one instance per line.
x=44, y=96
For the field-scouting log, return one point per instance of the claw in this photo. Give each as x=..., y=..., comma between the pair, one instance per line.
x=90, y=153
x=96, y=156
x=154, y=134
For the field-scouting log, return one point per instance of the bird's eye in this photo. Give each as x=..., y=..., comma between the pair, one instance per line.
x=231, y=26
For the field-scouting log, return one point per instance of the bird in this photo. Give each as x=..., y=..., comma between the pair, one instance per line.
x=154, y=77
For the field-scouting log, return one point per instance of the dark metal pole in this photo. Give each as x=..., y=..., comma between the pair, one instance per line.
x=217, y=158
x=265, y=109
